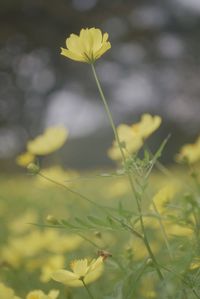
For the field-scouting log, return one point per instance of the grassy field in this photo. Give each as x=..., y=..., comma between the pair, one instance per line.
x=45, y=226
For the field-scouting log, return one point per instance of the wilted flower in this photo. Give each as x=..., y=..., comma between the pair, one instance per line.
x=51, y=140
x=88, y=46
x=82, y=270
x=190, y=152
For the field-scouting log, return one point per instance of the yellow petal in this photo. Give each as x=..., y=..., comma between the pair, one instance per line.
x=103, y=49
x=95, y=271
x=147, y=125
x=105, y=37
x=52, y=139
x=190, y=152
x=64, y=276
x=80, y=267
x=72, y=55
x=36, y=294
x=95, y=264
x=74, y=44
x=53, y=294
x=25, y=159
x=86, y=41
x=96, y=39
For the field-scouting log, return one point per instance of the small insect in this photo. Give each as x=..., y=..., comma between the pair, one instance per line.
x=104, y=254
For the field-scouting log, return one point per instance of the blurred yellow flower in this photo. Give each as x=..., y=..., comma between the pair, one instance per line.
x=162, y=197
x=82, y=270
x=53, y=263
x=130, y=143
x=190, y=152
x=24, y=159
x=173, y=229
x=147, y=125
x=58, y=174
x=51, y=140
x=132, y=137
x=7, y=293
x=148, y=286
x=38, y=294
x=139, y=249
x=87, y=47
x=21, y=223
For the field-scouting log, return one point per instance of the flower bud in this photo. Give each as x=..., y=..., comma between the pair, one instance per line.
x=33, y=168
x=149, y=262
x=52, y=220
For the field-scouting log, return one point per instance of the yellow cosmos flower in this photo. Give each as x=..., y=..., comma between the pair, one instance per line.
x=82, y=270
x=190, y=152
x=25, y=159
x=87, y=47
x=38, y=294
x=147, y=125
x=51, y=140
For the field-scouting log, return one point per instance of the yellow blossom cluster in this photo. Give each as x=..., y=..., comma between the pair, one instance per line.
x=32, y=256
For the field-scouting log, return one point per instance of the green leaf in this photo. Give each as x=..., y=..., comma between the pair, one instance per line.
x=66, y=223
x=97, y=221
x=83, y=223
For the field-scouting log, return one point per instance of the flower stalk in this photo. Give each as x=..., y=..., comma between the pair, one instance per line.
x=134, y=191
x=87, y=289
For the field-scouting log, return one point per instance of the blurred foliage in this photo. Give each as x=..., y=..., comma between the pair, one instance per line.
x=33, y=244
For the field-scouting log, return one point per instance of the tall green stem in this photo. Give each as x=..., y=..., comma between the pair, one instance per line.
x=134, y=191
x=87, y=289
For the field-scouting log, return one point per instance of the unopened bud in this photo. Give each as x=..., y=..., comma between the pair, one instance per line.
x=149, y=262
x=52, y=220
x=98, y=235
x=104, y=254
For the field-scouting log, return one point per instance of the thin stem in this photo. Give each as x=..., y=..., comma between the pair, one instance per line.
x=107, y=111
x=183, y=280
x=162, y=229
x=87, y=289
x=85, y=198
x=89, y=241
x=72, y=191
x=135, y=193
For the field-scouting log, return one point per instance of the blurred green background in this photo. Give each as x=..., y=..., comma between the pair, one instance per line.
x=153, y=66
